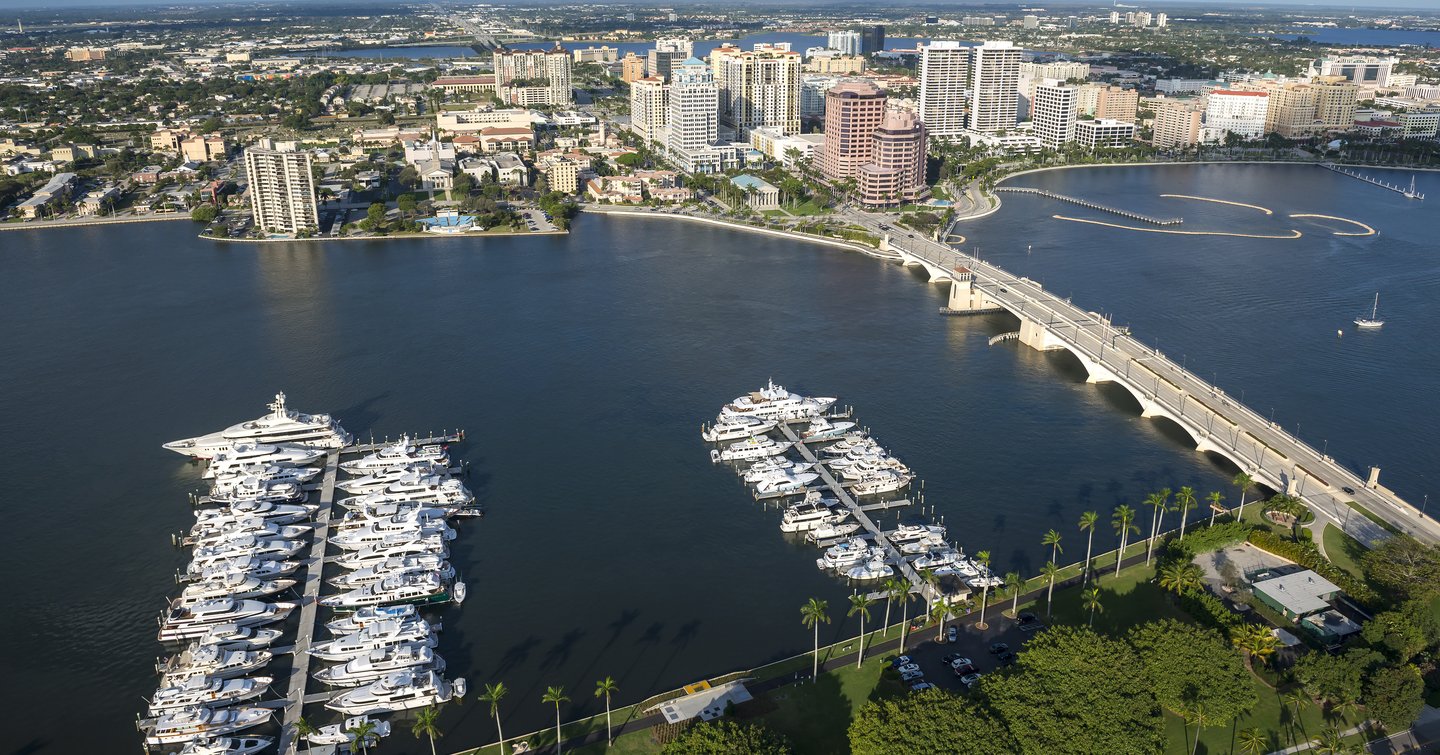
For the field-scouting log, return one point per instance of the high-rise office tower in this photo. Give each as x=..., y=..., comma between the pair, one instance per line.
x=872, y=39
x=668, y=52
x=853, y=110
x=1054, y=114
x=649, y=107
x=551, y=66
x=692, y=121
x=759, y=87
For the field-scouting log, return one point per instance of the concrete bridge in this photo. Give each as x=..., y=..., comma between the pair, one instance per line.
x=1215, y=422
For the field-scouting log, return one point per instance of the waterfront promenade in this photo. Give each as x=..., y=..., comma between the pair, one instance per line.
x=1217, y=422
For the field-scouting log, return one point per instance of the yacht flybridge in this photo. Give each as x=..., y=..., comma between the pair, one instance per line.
x=400, y=690
x=281, y=425
x=774, y=402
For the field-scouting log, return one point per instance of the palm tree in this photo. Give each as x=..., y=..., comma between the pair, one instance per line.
x=1256, y=642
x=1242, y=481
x=1014, y=583
x=555, y=695
x=983, y=557
x=1254, y=741
x=360, y=735
x=1158, y=502
x=1198, y=715
x=604, y=688
x=1214, y=498
x=1087, y=524
x=1181, y=577
x=1123, y=521
x=1049, y=570
x=1052, y=539
x=812, y=614
x=493, y=694
x=1090, y=599
x=905, y=597
x=424, y=725
x=1330, y=741
x=303, y=727
x=939, y=612
x=860, y=604
x=1297, y=700
x=893, y=588
x=1184, y=500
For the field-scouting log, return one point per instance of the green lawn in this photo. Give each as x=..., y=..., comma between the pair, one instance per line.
x=808, y=207
x=816, y=717
x=1344, y=551
x=1269, y=715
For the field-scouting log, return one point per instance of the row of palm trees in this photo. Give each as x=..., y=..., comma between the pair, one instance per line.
x=604, y=688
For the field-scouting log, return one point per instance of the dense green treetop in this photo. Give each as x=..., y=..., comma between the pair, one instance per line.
x=928, y=722
x=1188, y=666
x=725, y=737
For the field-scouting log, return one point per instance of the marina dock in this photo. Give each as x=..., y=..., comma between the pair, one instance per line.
x=1092, y=205
x=892, y=554
x=1409, y=193
x=309, y=608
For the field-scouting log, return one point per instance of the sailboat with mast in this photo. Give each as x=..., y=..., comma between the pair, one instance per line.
x=1373, y=321
x=1412, y=193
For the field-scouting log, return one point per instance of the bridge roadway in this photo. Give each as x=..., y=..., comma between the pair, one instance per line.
x=1215, y=421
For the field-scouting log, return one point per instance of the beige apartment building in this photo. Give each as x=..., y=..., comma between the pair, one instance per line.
x=759, y=87
x=649, y=106
x=282, y=191
x=1176, y=125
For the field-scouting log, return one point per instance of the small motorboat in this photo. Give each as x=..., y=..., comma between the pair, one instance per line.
x=828, y=531
x=873, y=569
x=228, y=746
x=823, y=429
x=339, y=734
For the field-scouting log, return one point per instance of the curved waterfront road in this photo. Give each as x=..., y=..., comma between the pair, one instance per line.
x=1216, y=421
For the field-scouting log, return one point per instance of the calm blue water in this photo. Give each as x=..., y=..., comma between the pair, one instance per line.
x=1378, y=37
x=798, y=43
x=408, y=53
x=582, y=368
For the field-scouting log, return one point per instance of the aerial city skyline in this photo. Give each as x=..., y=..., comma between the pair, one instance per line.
x=1061, y=376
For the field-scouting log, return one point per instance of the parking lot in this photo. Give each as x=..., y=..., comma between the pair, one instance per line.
x=933, y=657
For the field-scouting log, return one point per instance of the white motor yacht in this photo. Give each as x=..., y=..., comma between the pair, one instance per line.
x=873, y=467
x=980, y=583
x=377, y=663
x=374, y=636
x=207, y=692
x=873, y=569
x=234, y=637
x=960, y=568
x=823, y=429
x=845, y=557
x=923, y=545
x=210, y=660
x=907, y=532
x=257, y=489
x=190, y=724
x=449, y=493
x=233, y=474
x=189, y=622
x=237, y=586
x=339, y=734
x=246, y=545
x=246, y=565
x=852, y=442
x=783, y=481
x=382, y=532
x=281, y=425
x=810, y=513
x=936, y=558
x=270, y=511
x=883, y=482
x=367, y=616
x=415, y=588
x=377, y=554
x=774, y=402
x=389, y=512
x=228, y=746
x=402, y=453
x=247, y=454
x=760, y=469
x=736, y=428
x=750, y=449
x=229, y=532
x=401, y=690
x=828, y=531
x=383, y=478
x=428, y=562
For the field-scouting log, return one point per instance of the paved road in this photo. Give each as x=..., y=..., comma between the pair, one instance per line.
x=1264, y=448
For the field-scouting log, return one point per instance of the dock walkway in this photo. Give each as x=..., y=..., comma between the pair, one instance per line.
x=892, y=554
x=295, y=698
x=1409, y=193
x=1092, y=205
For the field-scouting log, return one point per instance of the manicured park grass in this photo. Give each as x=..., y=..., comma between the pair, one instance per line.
x=1344, y=551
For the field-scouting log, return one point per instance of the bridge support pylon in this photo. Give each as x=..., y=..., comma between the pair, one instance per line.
x=965, y=297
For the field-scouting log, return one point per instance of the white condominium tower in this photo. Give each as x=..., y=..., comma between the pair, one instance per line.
x=649, y=107
x=760, y=87
x=692, y=123
x=968, y=87
x=847, y=42
x=282, y=190
x=550, y=66
x=944, y=76
x=1054, y=119
x=994, y=74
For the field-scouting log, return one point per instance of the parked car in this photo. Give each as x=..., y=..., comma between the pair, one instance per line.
x=910, y=676
x=965, y=670
x=900, y=660
x=921, y=687
x=909, y=668
x=1006, y=658
x=970, y=680
x=996, y=648
x=959, y=661
x=1026, y=617
x=952, y=634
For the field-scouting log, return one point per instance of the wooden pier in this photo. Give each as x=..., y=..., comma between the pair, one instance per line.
x=892, y=554
x=1092, y=205
x=295, y=698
